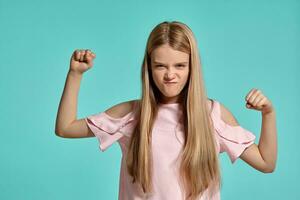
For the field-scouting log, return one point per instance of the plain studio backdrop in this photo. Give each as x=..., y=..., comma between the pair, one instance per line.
x=242, y=45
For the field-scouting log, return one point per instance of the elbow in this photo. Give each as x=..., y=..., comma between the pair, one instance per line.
x=269, y=169
x=58, y=133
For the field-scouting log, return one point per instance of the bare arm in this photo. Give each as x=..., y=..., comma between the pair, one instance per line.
x=266, y=151
x=267, y=147
x=264, y=155
x=268, y=140
x=79, y=128
x=251, y=155
x=67, y=124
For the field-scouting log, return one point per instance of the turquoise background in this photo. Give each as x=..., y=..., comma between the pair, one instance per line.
x=243, y=45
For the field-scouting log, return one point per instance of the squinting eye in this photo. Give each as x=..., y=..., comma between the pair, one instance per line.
x=159, y=65
x=181, y=65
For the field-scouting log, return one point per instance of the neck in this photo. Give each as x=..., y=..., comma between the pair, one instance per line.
x=170, y=100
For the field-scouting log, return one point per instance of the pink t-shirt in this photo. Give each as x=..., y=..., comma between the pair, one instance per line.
x=167, y=142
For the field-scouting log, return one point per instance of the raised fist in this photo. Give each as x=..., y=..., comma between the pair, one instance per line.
x=82, y=60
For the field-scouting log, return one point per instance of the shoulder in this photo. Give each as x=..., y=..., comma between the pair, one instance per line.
x=227, y=116
x=121, y=109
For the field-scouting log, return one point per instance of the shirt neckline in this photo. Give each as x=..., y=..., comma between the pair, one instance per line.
x=211, y=111
x=169, y=105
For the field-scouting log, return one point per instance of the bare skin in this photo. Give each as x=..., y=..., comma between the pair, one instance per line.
x=168, y=67
x=263, y=156
x=67, y=124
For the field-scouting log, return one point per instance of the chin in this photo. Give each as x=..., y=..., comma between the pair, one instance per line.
x=171, y=95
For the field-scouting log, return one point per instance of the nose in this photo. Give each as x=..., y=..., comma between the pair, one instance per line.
x=169, y=76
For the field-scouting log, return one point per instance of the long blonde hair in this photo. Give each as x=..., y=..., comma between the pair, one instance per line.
x=199, y=168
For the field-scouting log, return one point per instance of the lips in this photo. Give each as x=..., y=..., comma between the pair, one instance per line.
x=170, y=83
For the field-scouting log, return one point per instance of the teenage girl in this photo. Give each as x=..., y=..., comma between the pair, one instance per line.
x=171, y=137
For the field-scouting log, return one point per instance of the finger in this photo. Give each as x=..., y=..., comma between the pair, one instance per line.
x=89, y=59
x=256, y=97
x=77, y=55
x=250, y=94
x=88, y=56
x=90, y=62
x=90, y=53
x=253, y=96
x=81, y=56
x=248, y=105
x=261, y=102
x=85, y=55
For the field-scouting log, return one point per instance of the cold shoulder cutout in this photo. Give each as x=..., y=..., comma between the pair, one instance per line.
x=167, y=143
x=108, y=129
x=232, y=139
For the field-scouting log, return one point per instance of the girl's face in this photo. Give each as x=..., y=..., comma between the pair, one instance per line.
x=170, y=72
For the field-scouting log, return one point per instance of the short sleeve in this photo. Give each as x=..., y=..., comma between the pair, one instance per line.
x=232, y=139
x=108, y=129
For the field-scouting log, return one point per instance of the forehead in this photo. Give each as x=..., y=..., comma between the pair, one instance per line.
x=165, y=54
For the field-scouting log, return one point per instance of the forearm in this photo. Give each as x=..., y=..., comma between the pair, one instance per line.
x=67, y=110
x=268, y=139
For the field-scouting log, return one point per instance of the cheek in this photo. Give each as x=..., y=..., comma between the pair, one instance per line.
x=185, y=76
x=156, y=76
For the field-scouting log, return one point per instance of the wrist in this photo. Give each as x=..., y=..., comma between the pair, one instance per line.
x=74, y=73
x=269, y=112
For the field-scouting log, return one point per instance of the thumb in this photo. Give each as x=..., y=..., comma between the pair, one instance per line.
x=248, y=105
x=89, y=60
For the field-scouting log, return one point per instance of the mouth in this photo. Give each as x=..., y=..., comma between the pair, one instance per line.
x=170, y=83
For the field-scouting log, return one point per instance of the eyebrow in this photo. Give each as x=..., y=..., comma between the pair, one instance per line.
x=157, y=62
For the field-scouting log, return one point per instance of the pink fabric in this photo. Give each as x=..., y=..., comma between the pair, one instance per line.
x=167, y=142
